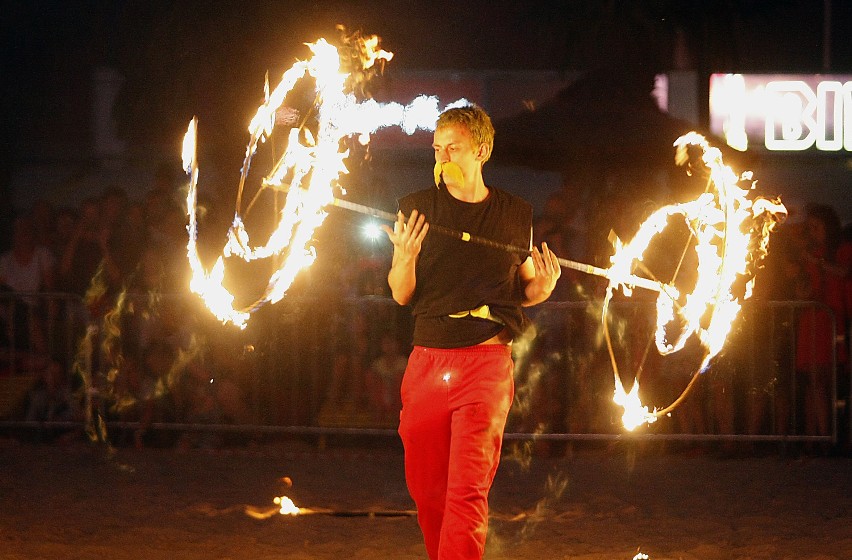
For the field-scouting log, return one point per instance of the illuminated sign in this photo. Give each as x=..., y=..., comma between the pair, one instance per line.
x=782, y=112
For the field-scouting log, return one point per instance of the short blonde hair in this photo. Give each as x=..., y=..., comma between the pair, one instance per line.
x=475, y=120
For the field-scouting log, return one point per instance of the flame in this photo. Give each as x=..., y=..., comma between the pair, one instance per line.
x=207, y=285
x=188, y=153
x=373, y=53
x=635, y=413
x=731, y=233
x=309, y=170
x=286, y=506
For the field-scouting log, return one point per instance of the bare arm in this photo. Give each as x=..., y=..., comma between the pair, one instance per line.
x=407, y=238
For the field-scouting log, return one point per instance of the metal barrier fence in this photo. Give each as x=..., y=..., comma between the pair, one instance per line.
x=331, y=366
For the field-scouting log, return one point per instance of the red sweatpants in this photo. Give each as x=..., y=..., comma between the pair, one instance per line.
x=454, y=408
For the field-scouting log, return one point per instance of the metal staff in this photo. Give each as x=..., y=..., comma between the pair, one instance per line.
x=465, y=236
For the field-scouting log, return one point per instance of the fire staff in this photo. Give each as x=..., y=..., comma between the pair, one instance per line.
x=467, y=303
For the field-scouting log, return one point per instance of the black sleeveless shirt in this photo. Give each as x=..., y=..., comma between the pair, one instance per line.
x=455, y=276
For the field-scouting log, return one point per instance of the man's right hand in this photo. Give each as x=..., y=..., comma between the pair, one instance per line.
x=407, y=237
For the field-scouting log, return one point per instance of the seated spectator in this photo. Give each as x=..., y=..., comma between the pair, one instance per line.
x=45, y=380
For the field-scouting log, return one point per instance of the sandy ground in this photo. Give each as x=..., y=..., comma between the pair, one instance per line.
x=77, y=501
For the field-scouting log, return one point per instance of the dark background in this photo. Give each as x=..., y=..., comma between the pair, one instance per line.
x=204, y=57
x=209, y=58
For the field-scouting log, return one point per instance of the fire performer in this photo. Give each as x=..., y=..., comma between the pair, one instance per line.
x=467, y=303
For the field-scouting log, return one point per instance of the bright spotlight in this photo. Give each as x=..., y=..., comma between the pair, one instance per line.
x=372, y=231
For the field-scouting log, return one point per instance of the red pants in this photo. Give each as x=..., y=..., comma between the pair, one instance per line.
x=454, y=408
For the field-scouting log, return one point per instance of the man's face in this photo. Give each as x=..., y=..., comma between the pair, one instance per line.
x=453, y=143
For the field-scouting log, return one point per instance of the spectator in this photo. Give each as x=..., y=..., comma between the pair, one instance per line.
x=819, y=279
x=384, y=378
x=557, y=227
x=844, y=267
x=64, y=224
x=349, y=366
x=167, y=235
x=113, y=207
x=84, y=249
x=44, y=219
x=772, y=385
x=128, y=239
x=124, y=232
x=26, y=269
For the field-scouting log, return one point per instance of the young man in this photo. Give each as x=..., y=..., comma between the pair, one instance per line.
x=466, y=299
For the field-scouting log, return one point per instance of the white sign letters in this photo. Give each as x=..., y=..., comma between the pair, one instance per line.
x=783, y=112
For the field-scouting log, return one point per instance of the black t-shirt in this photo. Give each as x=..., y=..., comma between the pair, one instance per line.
x=454, y=276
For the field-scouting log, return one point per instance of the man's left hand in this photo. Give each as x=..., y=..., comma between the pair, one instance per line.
x=547, y=273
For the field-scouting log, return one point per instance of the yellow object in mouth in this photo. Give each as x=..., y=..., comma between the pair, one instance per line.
x=450, y=172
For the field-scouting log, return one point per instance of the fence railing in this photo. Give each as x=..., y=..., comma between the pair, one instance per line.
x=332, y=366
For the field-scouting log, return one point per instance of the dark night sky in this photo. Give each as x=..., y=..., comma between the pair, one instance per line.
x=191, y=57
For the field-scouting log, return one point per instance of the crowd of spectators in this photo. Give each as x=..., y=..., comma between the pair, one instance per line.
x=96, y=264
x=123, y=262
x=111, y=275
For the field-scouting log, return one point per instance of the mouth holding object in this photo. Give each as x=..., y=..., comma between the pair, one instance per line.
x=448, y=173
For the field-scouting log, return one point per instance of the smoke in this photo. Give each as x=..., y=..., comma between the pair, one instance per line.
x=138, y=347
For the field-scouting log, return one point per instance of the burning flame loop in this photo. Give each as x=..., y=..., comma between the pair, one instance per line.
x=731, y=233
x=731, y=230
x=311, y=165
